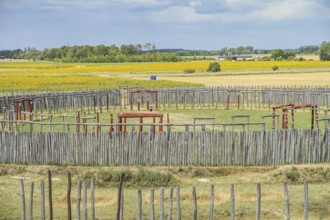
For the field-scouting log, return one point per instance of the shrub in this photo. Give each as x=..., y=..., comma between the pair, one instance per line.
x=274, y=68
x=293, y=175
x=189, y=70
x=214, y=67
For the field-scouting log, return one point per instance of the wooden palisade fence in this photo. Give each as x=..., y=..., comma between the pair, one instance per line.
x=83, y=198
x=202, y=97
x=211, y=148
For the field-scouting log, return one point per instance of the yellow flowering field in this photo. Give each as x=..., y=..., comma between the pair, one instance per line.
x=49, y=68
x=54, y=76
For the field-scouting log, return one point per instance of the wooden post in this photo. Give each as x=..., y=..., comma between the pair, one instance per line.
x=178, y=206
x=85, y=199
x=161, y=212
x=68, y=196
x=93, y=199
x=305, y=200
x=23, y=198
x=78, y=198
x=152, y=207
x=78, y=122
x=139, y=205
x=97, y=121
x=287, y=203
x=31, y=201
x=232, y=201
x=170, y=204
x=258, y=201
x=42, y=200
x=211, y=202
x=120, y=186
x=195, y=203
x=50, y=196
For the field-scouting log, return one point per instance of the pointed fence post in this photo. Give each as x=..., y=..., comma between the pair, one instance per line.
x=42, y=200
x=31, y=201
x=195, y=202
x=178, y=206
x=23, y=198
x=305, y=200
x=93, y=199
x=139, y=205
x=211, y=202
x=232, y=201
x=50, y=196
x=68, y=196
x=170, y=204
x=287, y=202
x=258, y=201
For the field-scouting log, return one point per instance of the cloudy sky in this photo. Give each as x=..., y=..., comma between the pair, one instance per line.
x=188, y=24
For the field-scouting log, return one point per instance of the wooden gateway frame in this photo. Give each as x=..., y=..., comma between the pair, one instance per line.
x=237, y=92
x=285, y=109
x=144, y=94
x=314, y=114
x=20, y=108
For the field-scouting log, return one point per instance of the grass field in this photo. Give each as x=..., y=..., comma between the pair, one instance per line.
x=244, y=179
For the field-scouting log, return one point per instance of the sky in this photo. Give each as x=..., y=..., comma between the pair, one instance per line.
x=186, y=24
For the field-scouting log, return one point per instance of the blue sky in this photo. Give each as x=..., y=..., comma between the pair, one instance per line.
x=194, y=24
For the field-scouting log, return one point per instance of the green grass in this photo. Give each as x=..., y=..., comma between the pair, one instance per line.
x=182, y=116
x=244, y=179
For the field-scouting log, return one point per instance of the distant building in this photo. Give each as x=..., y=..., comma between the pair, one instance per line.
x=235, y=57
x=223, y=58
x=242, y=57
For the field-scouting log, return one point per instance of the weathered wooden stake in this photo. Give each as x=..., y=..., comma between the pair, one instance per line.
x=120, y=186
x=170, y=204
x=152, y=206
x=68, y=197
x=23, y=198
x=161, y=212
x=78, y=198
x=305, y=200
x=31, y=201
x=85, y=199
x=232, y=201
x=287, y=202
x=195, y=202
x=258, y=201
x=178, y=206
x=50, y=195
x=93, y=199
x=42, y=200
x=139, y=205
x=211, y=202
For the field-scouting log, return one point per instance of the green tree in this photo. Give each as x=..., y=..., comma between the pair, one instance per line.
x=277, y=54
x=325, y=51
x=214, y=67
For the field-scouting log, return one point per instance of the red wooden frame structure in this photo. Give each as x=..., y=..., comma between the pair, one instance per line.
x=284, y=122
x=123, y=116
x=229, y=91
x=314, y=114
x=20, y=107
x=144, y=95
x=285, y=109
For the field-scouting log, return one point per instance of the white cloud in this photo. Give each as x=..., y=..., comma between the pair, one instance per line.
x=180, y=14
x=287, y=10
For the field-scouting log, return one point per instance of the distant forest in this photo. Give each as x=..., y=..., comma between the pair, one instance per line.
x=132, y=53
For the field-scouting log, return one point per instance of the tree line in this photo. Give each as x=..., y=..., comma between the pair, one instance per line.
x=149, y=53
x=94, y=54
